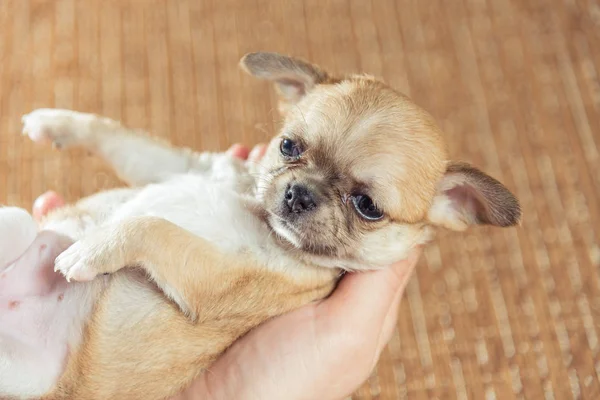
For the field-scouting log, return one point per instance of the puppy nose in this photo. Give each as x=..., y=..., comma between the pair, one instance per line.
x=299, y=199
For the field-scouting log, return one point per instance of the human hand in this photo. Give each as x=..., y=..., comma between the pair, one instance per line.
x=324, y=350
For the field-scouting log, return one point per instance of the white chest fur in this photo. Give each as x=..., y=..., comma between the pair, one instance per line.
x=209, y=209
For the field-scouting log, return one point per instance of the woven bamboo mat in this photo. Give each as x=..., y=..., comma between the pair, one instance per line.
x=491, y=314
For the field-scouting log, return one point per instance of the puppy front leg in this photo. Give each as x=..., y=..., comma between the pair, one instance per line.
x=175, y=259
x=136, y=158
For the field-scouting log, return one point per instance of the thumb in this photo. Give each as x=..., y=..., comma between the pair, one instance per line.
x=391, y=318
x=366, y=297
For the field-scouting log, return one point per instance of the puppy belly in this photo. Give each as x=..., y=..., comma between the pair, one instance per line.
x=33, y=347
x=41, y=316
x=33, y=274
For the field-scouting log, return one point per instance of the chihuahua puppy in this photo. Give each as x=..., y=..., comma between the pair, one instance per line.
x=163, y=276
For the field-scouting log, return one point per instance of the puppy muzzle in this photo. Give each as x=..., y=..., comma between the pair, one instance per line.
x=299, y=198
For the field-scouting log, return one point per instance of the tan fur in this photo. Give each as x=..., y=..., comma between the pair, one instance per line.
x=358, y=135
x=392, y=150
x=227, y=296
x=389, y=142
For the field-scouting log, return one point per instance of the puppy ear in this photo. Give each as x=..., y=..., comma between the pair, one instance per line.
x=466, y=196
x=293, y=77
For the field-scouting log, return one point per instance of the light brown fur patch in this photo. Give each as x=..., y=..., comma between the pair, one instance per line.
x=160, y=348
x=358, y=135
x=377, y=136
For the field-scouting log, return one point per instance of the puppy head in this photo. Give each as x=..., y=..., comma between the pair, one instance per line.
x=359, y=174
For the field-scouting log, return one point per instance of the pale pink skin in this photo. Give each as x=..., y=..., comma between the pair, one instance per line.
x=35, y=303
x=32, y=274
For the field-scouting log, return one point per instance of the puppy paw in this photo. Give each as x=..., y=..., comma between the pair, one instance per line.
x=92, y=256
x=62, y=128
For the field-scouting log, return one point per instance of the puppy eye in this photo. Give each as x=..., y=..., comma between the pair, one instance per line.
x=290, y=149
x=366, y=208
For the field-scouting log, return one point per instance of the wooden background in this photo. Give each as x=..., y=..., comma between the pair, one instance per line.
x=491, y=314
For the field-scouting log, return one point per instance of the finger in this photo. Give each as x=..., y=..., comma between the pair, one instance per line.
x=366, y=297
x=239, y=151
x=391, y=318
x=257, y=153
x=46, y=203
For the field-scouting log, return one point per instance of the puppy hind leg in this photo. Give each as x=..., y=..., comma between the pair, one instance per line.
x=136, y=158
